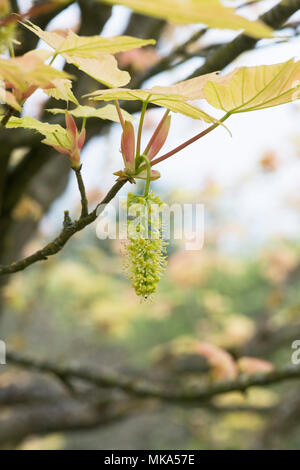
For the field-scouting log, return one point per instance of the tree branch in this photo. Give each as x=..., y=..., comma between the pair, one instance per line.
x=62, y=415
x=69, y=229
x=84, y=201
x=144, y=389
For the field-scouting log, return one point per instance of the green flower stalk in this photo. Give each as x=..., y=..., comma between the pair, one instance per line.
x=145, y=257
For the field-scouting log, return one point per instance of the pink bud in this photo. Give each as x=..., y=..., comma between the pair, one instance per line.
x=71, y=127
x=159, y=138
x=76, y=141
x=128, y=146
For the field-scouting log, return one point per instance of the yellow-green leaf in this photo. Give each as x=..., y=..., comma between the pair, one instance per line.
x=54, y=133
x=189, y=89
x=175, y=102
x=104, y=69
x=62, y=90
x=92, y=54
x=209, y=12
x=29, y=70
x=86, y=46
x=253, y=88
x=6, y=97
x=108, y=112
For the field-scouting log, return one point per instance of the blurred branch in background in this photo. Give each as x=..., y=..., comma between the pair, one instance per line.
x=141, y=388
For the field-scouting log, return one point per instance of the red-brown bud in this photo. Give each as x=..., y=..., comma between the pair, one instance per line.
x=128, y=146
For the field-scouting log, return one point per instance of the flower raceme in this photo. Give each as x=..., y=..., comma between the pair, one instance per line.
x=145, y=249
x=76, y=142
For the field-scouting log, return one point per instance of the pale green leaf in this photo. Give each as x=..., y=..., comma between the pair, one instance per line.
x=175, y=102
x=108, y=112
x=103, y=69
x=189, y=89
x=62, y=91
x=209, y=12
x=6, y=97
x=29, y=70
x=253, y=88
x=86, y=46
x=54, y=133
x=125, y=94
x=92, y=54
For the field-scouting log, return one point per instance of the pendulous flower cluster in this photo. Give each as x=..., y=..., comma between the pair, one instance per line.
x=145, y=248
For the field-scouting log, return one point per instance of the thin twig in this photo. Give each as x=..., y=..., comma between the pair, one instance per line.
x=84, y=201
x=66, y=233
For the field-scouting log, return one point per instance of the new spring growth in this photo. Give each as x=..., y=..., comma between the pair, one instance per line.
x=145, y=249
x=76, y=142
x=131, y=155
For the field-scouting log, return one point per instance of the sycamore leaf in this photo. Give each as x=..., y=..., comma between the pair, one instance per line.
x=10, y=73
x=175, y=102
x=29, y=70
x=252, y=88
x=11, y=101
x=178, y=106
x=125, y=94
x=86, y=46
x=104, y=69
x=106, y=112
x=6, y=97
x=91, y=54
x=209, y=12
x=54, y=133
x=62, y=90
x=189, y=89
